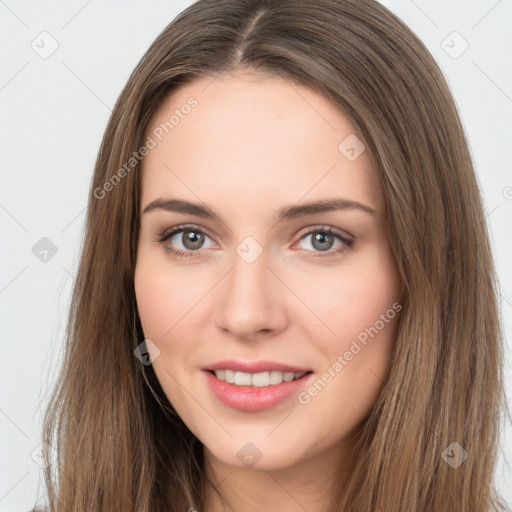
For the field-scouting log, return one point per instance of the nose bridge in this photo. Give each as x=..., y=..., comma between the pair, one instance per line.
x=250, y=300
x=249, y=280
x=250, y=267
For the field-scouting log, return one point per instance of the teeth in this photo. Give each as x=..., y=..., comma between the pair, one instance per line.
x=258, y=380
x=242, y=379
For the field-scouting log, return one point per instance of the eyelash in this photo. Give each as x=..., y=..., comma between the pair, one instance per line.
x=348, y=243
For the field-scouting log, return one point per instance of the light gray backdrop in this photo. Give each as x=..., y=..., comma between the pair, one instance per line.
x=63, y=65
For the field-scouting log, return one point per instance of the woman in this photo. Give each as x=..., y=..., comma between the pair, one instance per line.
x=286, y=296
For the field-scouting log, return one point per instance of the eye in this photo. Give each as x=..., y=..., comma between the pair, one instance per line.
x=191, y=239
x=323, y=238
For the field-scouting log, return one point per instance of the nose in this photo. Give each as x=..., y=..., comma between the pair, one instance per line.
x=252, y=301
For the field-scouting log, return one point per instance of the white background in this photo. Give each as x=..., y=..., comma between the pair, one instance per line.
x=53, y=115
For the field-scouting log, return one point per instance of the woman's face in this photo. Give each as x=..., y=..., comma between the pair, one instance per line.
x=236, y=181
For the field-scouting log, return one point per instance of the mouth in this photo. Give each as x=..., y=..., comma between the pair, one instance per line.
x=255, y=392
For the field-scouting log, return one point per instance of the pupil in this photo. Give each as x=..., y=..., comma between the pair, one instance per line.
x=193, y=240
x=322, y=238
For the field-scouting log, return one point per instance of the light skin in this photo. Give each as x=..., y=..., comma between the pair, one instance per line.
x=252, y=146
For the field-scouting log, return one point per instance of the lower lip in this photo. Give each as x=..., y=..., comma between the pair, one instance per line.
x=253, y=399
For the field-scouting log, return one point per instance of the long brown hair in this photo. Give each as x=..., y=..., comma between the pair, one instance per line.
x=121, y=445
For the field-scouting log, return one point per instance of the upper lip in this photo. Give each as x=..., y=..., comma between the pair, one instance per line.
x=255, y=367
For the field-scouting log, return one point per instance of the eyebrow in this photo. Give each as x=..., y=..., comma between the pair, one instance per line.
x=286, y=213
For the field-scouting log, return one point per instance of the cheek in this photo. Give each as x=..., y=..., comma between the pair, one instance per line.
x=356, y=359
x=152, y=301
x=361, y=305
x=165, y=295
x=163, y=303
x=370, y=301
x=372, y=311
x=352, y=298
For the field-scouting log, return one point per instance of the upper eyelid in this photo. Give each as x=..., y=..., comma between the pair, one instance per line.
x=183, y=227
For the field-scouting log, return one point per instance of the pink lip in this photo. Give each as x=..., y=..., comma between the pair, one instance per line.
x=255, y=367
x=253, y=399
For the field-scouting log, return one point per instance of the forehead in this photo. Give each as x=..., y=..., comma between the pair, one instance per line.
x=256, y=138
